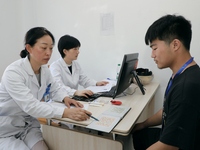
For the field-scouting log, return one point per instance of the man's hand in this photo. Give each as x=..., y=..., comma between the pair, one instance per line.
x=138, y=126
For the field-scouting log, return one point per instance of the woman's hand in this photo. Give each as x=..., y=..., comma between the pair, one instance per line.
x=101, y=83
x=77, y=114
x=84, y=93
x=68, y=101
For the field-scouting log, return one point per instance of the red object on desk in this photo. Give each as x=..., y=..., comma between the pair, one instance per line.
x=114, y=102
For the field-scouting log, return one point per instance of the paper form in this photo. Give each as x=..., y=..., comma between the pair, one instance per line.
x=107, y=87
x=109, y=119
x=106, y=123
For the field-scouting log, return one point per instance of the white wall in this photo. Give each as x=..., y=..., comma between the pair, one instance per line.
x=9, y=31
x=99, y=54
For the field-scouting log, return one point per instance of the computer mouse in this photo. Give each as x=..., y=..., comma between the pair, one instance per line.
x=116, y=102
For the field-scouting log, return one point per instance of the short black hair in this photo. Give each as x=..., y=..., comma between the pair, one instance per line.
x=168, y=28
x=67, y=42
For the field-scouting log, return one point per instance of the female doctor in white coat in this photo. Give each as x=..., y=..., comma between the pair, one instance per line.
x=25, y=86
x=67, y=70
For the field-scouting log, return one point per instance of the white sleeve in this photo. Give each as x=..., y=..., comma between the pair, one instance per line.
x=15, y=84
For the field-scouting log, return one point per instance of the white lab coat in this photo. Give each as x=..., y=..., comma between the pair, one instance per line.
x=70, y=82
x=20, y=96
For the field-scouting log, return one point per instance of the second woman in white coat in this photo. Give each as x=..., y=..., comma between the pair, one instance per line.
x=67, y=70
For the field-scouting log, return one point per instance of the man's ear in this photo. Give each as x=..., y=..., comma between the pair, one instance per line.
x=176, y=44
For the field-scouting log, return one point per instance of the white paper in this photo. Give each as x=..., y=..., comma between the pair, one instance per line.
x=109, y=119
x=62, y=105
x=106, y=123
x=107, y=87
x=117, y=111
x=107, y=24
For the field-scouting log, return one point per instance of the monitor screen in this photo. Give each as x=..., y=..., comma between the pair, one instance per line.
x=127, y=72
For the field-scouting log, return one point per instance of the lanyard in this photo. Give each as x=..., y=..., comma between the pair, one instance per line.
x=178, y=73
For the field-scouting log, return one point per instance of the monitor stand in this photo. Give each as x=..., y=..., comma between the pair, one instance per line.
x=138, y=82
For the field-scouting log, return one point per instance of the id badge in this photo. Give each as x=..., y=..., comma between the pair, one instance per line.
x=46, y=95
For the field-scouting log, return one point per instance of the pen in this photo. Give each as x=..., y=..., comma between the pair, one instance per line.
x=93, y=117
x=111, y=79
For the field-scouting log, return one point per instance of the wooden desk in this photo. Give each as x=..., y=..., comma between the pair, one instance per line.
x=142, y=106
x=61, y=139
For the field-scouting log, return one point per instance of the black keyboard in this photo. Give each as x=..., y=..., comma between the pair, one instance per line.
x=85, y=99
x=109, y=93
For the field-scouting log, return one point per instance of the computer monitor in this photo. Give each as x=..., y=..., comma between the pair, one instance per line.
x=127, y=72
